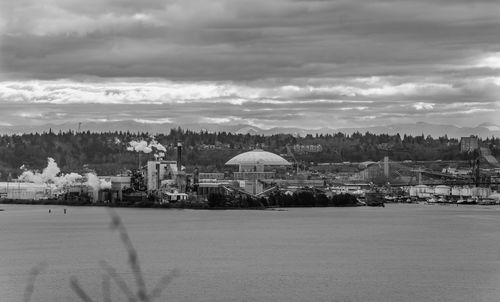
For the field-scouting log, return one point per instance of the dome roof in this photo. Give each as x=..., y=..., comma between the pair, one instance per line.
x=258, y=157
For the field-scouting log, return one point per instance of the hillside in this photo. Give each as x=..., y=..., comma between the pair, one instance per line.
x=106, y=153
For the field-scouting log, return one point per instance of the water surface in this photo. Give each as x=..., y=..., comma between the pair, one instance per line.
x=397, y=253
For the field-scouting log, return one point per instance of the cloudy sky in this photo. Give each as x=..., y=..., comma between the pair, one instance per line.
x=265, y=63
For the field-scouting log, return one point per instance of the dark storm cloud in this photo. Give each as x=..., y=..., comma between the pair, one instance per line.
x=227, y=40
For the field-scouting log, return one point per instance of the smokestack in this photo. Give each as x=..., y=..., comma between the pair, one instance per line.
x=386, y=166
x=179, y=156
x=158, y=180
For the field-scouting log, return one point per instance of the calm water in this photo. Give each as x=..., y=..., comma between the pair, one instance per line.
x=397, y=253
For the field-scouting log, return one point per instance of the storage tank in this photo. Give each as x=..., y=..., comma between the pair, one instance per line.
x=456, y=191
x=442, y=190
x=481, y=192
x=465, y=191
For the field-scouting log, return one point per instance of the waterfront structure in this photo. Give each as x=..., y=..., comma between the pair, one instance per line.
x=205, y=177
x=442, y=190
x=118, y=184
x=160, y=172
x=424, y=191
x=251, y=173
x=173, y=197
x=26, y=190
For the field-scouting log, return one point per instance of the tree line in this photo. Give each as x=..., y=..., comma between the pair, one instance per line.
x=106, y=153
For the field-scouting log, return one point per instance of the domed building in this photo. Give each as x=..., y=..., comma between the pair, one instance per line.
x=251, y=172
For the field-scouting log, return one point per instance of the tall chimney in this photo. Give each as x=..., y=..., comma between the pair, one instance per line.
x=179, y=156
x=386, y=166
x=158, y=179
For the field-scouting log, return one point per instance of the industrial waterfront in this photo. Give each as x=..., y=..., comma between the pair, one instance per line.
x=253, y=177
x=399, y=253
x=303, y=235
x=253, y=151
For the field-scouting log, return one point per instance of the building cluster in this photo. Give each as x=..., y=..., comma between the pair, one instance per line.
x=301, y=149
x=425, y=191
x=255, y=174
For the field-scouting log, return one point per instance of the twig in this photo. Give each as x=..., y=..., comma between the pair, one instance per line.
x=117, y=224
x=30, y=285
x=79, y=290
x=162, y=284
x=106, y=293
x=118, y=280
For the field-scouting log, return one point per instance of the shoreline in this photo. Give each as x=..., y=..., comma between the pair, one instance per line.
x=194, y=206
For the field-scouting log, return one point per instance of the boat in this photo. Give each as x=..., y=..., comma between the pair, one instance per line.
x=487, y=201
x=441, y=200
x=470, y=200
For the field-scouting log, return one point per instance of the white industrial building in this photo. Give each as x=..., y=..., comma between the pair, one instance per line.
x=161, y=173
x=26, y=190
x=424, y=191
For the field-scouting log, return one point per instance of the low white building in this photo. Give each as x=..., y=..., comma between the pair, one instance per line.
x=175, y=196
x=442, y=190
x=26, y=190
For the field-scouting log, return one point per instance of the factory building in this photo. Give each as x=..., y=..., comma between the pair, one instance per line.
x=469, y=144
x=26, y=190
x=161, y=173
x=424, y=191
x=252, y=173
x=118, y=184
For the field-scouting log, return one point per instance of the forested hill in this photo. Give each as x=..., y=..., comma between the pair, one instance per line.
x=107, y=154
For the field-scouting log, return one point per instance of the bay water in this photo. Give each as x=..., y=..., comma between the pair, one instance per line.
x=396, y=253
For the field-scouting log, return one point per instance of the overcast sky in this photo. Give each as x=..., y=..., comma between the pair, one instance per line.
x=262, y=62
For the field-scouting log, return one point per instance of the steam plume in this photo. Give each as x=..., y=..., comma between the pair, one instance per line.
x=145, y=147
x=52, y=175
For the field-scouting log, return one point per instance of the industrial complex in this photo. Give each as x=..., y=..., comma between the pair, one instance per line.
x=256, y=174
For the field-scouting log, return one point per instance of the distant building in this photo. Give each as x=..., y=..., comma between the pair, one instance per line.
x=26, y=190
x=469, y=144
x=251, y=174
x=299, y=148
x=160, y=171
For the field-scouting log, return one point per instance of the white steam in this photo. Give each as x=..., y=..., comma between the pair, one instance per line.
x=141, y=146
x=52, y=175
x=145, y=147
x=96, y=183
x=49, y=175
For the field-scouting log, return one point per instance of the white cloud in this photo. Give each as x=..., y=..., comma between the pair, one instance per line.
x=152, y=121
x=423, y=106
x=263, y=103
x=489, y=61
x=215, y=120
x=165, y=92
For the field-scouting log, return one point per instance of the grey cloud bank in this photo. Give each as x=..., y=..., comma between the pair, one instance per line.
x=266, y=63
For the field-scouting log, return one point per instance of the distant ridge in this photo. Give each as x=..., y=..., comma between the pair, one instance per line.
x=435, y=130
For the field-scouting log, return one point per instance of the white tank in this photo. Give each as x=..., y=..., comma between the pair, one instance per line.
x=481, y=192
x=413, y=191
x=442, y=190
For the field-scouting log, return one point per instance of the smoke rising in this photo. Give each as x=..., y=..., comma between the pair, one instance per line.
x=145, y=147
x=51, y=175
x=96, y=183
